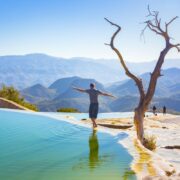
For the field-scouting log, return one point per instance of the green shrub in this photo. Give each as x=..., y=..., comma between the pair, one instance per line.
x=67, y=110
x=29, y=106
x=12, y=94
x=150, y=142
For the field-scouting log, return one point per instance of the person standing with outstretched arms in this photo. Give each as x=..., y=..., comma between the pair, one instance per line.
x=94, y=105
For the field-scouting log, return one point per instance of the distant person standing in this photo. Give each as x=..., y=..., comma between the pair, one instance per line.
x=164, y=110
x=94, y=105
x=154, y=110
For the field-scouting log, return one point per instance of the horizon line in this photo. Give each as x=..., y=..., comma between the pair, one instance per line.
x=80, y=57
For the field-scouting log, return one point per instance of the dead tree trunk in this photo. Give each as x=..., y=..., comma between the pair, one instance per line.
x=146, y=97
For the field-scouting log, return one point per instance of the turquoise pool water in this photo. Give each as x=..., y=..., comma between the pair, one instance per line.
x=34, y=147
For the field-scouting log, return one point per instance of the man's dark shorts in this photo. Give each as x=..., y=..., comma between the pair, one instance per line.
x=93, y=110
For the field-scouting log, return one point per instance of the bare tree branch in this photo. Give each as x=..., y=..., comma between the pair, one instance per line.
x=155, y=24
x=155, y=75
x=164, y=33
x=107, y=44
x=167, y=24
x=150, y=26
x=143, y=32
x=116, y=32
x=149, y=11
x=128, y=73
x=177, y=46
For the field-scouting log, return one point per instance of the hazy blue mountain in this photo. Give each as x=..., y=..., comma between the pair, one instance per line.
x=64, y=95
x=69, y=92
x=27, y=70
x=37, y=93
x=60, y=93
x=69, y=97
x=167, y=85
x=172, y=103
x=61, y=85
x=128, y=103
x=81, y=103
x=123, y=104
x=167, y=92
x=175, y=89
x=139, y=67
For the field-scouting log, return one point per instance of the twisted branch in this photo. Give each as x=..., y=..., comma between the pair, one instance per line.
x=155, y=26
x=167, y=24
x=137, y=80
x=177, y=46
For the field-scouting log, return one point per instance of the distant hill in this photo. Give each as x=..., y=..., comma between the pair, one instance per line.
x=175, y=89
x=27, y=70
x=65, y=90
x=62, y=85
x=167, y=85
x=61, y=94
x=37, y=93
x=123, y=104
x=167, y=92
x=172, y=103
x=128, y=103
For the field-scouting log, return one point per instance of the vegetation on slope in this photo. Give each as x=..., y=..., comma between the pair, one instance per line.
x=67, y=110
x=12, y=94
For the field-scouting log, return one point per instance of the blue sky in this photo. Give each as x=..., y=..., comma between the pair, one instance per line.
x=76, y=28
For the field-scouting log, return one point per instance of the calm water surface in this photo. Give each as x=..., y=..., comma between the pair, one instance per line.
x=34, y=147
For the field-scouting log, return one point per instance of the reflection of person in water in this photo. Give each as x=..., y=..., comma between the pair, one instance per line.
x=93, y=150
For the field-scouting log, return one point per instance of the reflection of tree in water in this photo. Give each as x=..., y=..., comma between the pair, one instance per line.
x=128, y=174
x=144, y=163
x=93, y=150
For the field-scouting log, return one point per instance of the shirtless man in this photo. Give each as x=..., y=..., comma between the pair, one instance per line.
x=94, y=105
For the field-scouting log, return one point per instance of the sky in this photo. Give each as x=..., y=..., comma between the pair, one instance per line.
x=76, y=28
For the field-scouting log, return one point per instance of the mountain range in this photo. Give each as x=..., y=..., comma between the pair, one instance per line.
x=47, y=81
x=168, y=84
x=27, y=70
x=60, y=93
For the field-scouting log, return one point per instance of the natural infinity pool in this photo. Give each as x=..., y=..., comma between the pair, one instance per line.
x=34, y=147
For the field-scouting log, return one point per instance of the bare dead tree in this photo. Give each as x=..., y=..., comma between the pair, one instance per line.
x=153, y=24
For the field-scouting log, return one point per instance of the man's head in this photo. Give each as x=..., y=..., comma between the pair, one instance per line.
x=92, y=85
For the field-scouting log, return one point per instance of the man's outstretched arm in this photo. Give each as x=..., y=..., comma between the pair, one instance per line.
x=107, y=94
x=79, y=89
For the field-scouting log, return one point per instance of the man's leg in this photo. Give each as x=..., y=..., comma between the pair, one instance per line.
x=94, y=122
x=95, y=112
